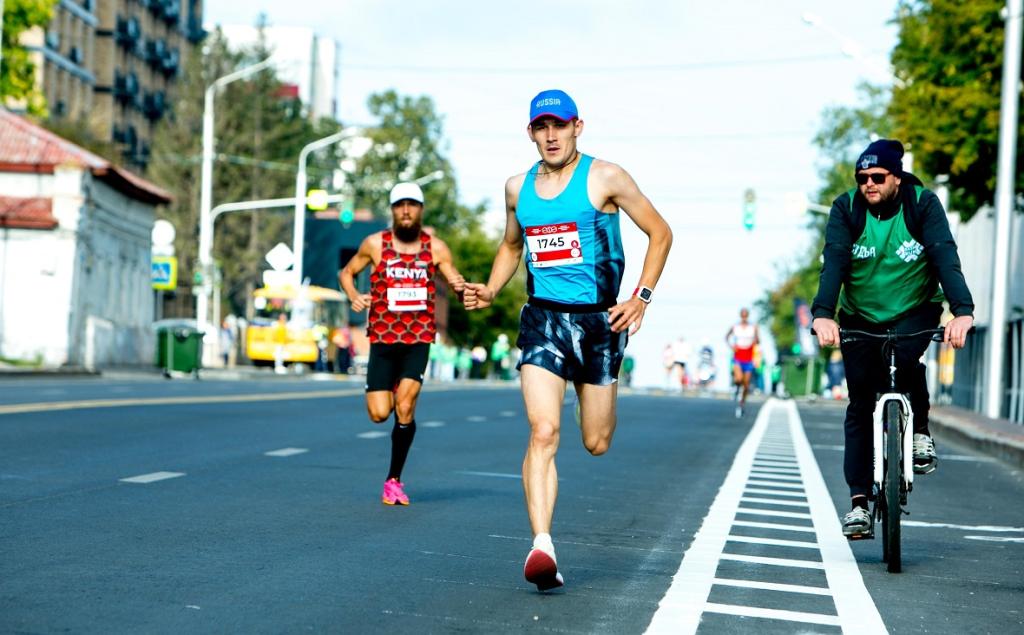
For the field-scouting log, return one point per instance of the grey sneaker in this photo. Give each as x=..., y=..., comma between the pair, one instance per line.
x=925, y=460
x=857, y=524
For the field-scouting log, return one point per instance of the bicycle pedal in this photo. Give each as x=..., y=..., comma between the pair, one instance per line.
x=865, y=536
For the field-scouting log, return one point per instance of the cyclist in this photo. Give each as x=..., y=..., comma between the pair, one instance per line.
x=889, y=249
x=564, y=213
x=742, y=338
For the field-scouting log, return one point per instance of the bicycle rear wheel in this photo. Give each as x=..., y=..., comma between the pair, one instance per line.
x=891, y=512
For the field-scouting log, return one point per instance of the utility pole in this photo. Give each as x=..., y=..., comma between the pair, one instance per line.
x=1005, y=185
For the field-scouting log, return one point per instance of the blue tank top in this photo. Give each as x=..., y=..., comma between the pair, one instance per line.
x=574, y=257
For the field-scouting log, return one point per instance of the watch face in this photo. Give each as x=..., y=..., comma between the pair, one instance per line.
x=645, y=295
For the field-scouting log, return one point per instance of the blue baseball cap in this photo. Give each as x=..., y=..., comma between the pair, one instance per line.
x=554, y=103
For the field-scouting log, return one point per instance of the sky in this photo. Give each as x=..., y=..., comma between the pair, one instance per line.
x=698, y=101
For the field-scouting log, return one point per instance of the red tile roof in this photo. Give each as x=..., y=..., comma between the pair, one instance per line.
x=27, y=147
x=27, y=213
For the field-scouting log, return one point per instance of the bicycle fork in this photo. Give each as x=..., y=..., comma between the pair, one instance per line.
x=907, y=445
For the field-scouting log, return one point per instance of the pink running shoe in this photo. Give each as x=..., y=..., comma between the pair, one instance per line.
x=540, y=569
x=393, y=493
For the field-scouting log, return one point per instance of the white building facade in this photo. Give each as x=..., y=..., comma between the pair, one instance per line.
x=75, y=241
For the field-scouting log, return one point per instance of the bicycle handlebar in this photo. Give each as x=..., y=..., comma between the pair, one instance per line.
x=853, y=335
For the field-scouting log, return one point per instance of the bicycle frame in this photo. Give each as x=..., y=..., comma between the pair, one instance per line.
x=907, y=440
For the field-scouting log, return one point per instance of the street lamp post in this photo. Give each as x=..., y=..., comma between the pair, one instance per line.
x=206, y=187
x=1005, y=185
x=299, y=238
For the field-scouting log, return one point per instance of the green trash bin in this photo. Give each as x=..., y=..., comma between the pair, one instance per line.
x=801, y=376
x=179, y=347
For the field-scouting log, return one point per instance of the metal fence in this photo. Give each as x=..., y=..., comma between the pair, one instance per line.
x=968, y=390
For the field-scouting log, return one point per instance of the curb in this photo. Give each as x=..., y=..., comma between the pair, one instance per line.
x=995, y=437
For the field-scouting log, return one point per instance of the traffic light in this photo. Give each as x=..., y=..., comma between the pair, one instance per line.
x=347, y=214
x=748, y=209
x=316, y=200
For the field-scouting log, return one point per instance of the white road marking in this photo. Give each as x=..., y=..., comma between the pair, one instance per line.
x=782, y=477
x=790, y=616
x=680, y=609
x=753, y=540
x=286, y=452
x=372, y=434
x=769, y=501
x=857, y=611
x=996, y=528
x=432, y=424
x=751, y=523
x=775, y=484
x=775, y=562
x=774, y=586
x=771, y=512
x=152, y=477
x=776, y=470
x=686, y=600
x=507, y=413
x=772, y=492
x=494, y=474
x=995, y=538
x=767, y=463
x=837, y=448
x=476, y=418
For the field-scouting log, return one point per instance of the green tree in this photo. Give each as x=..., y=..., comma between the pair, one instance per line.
x=844, y=133
x=17, y=72
x=259, y=135
x=409, y=143
x=946, y=105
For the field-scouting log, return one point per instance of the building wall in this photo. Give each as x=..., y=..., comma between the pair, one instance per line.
x=113, y=63
x=974, y=241
x=79, y=294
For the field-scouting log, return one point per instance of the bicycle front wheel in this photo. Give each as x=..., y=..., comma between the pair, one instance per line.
x=893, y=481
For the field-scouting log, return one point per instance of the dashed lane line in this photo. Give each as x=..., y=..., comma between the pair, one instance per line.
x=286, y=452
x=152, y=477
x=775, y=614
x=372, y=434
x=491, y=474
x=773, y=586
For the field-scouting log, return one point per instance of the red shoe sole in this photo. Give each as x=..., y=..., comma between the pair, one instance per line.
x=541, y=570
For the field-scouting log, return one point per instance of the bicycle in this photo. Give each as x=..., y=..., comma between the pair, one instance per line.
x=893, y=456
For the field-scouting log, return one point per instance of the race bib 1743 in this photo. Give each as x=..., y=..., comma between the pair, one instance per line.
x=554, y=245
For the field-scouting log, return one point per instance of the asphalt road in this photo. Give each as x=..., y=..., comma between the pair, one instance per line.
x=693, y=521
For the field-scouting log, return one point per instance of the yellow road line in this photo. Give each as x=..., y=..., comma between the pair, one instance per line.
x=172, y=401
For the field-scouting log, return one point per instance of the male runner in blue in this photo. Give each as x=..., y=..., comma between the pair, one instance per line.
x=564, y=212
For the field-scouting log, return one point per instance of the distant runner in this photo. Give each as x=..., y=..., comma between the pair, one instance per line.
x=742, y=337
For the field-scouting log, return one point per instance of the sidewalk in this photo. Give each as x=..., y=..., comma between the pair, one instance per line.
x=997, y=437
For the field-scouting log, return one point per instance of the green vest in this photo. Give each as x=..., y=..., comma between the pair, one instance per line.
x=889, y=272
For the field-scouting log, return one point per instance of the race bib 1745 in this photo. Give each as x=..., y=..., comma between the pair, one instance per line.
x=554, y=245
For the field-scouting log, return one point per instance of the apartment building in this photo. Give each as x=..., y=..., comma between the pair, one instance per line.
x=111, y=63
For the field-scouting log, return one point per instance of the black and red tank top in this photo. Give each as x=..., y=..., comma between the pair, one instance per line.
x=402, y=295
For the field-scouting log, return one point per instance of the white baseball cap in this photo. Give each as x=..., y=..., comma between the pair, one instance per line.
x=404, y=191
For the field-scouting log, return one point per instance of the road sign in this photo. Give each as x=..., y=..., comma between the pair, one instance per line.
x=280, y=257
x=164, y=272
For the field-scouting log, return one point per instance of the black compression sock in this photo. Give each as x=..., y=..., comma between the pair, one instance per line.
x=861, y=501
x=401, y=441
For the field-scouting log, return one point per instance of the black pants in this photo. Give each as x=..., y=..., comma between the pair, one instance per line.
x=867, y=374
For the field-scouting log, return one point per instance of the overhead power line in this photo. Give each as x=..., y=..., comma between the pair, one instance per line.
x=631, y=68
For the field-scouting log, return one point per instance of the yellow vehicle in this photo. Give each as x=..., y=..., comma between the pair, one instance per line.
x=298, y=325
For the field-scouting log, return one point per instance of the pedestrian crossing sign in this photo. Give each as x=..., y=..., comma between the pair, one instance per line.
x=164, y=273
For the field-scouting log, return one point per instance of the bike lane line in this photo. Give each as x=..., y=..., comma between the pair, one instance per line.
x=686, y=600
x=857, y=611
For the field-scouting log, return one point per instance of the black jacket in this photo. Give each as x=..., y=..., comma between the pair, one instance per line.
x=926, y=221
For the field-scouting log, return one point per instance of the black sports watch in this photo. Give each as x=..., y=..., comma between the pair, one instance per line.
x=643, y=294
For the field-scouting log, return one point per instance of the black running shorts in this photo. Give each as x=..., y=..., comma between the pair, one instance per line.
x=391, y=363
x=578, y=347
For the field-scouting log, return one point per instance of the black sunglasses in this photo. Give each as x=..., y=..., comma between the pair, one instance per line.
x=876, y=177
